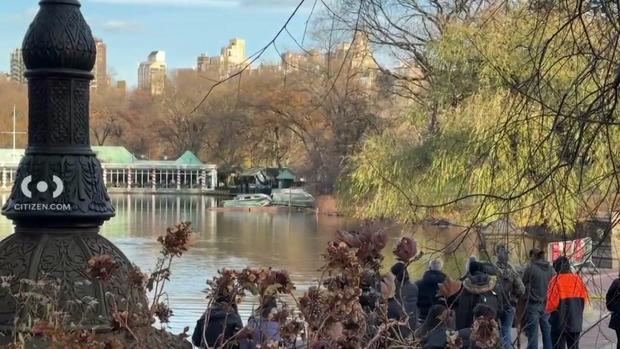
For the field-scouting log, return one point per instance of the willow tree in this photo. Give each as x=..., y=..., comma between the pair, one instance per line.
x=533, y=133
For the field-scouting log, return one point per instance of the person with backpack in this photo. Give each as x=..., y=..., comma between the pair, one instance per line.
x=511, y=288
x=566, y=300
x=536, y=278
x=612, y=300
x=478, y=288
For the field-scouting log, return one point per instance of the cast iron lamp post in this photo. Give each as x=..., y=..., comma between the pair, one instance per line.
x=59, y=200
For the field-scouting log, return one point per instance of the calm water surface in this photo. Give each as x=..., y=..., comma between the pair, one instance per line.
x=292, y=241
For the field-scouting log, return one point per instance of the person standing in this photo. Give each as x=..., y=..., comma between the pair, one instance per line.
x=478, y=288
x=428, y=287
x=510, y=288
x=536, y=278
x=395, y=310
x=406, y=294
x=612, y=300
x=566, y=300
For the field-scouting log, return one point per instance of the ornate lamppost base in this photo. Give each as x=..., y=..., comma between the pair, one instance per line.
x=29, y=259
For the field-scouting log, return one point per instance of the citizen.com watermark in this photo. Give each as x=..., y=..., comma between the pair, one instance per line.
x=42, y=187
x=42, y=207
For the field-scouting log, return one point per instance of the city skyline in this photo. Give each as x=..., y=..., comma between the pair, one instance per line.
x=184, y=29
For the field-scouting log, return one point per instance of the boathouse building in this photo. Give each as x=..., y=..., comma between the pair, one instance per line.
x=124, y=172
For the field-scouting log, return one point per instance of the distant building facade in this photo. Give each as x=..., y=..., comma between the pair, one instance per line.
x=230, y=60
x=101, y=79
x=310, y=60
x=152, y=73
x=18, y=68
x=121, y=86
x=356, y=56
x=359, y=56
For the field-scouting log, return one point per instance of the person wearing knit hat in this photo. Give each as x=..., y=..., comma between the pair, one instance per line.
x=428, y=287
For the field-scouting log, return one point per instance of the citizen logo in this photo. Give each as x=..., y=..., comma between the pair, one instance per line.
x=42, y=187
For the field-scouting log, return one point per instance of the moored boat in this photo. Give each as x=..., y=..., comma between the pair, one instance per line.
x=294, y=197
x=248, y=200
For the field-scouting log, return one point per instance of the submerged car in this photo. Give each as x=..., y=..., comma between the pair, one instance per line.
x=294, y=197
x=248, y=200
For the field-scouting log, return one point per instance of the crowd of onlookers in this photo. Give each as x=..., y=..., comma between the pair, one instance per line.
x=482, y=309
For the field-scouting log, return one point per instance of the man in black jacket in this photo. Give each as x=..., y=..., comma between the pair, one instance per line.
x=536, y=278
x=428, y=287
x=222, y=323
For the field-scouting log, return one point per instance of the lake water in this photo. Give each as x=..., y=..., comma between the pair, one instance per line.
x=292, y=241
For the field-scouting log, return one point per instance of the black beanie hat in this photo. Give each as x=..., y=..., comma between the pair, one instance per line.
x=475, y=267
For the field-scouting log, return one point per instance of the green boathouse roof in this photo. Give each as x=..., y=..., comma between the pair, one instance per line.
x=116, y=155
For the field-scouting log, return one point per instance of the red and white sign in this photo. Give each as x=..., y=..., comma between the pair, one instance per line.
x=577, y=251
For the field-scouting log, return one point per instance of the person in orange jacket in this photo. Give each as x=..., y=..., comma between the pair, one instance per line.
x=566, y=299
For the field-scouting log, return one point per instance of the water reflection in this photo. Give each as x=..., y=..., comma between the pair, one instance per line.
x=292, y=241
x=223, y=240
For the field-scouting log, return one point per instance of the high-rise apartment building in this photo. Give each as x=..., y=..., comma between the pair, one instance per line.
x=230, y=60
x=18, y=68
x=152, y=73
x=234, y=54
x=100, y=70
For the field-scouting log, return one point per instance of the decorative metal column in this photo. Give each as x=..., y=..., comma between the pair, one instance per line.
x=213, y=179
x=59, y=199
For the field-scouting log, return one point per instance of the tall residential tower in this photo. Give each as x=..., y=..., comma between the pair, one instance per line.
x=152, y=73
x=100, y=71
x=17, y=67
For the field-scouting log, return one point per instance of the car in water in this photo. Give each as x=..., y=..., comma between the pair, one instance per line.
x=248, y=200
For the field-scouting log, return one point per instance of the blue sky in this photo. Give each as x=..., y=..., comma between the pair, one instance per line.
x=182, y=28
